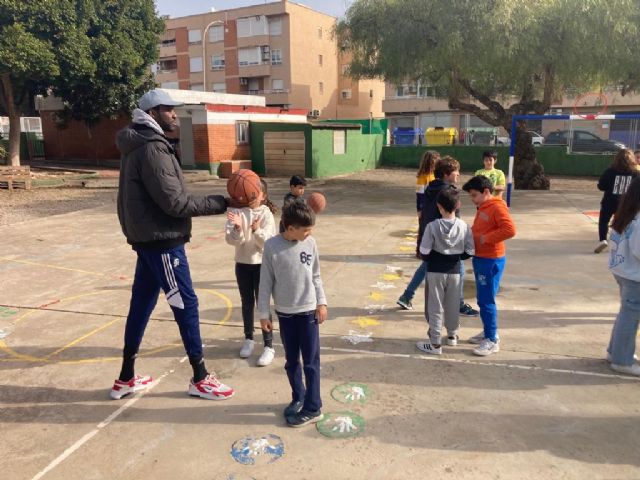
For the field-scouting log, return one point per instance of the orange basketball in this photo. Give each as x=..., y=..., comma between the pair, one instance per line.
x=244, y=186
x=317, y=202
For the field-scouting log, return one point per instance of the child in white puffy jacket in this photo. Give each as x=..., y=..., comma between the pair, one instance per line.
x=247, y=229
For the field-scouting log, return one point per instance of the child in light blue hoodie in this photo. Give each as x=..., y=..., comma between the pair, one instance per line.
x=624, y=263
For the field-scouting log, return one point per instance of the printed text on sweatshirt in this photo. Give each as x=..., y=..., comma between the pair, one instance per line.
x=491, y=227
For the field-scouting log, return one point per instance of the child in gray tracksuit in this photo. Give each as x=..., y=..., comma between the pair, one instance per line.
x=445, y=243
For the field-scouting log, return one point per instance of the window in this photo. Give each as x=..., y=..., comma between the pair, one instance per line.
x=168, y=42
x=275, y=26
x=321, y=88
x=346, y=94
x=339, y=142
x=242, y=133
x=197, y=87
x=169, y=85
x=276, y=57
x=320, y=60
x=249, y=56
x=170, y=65
x=219, y=87
x=216, y=33
x=400, y=90
x=345, y=69
x=195, y=64
x=252, y=26
x=195, y=36
x=277, y=84
x=217, y=62
x=320, y=32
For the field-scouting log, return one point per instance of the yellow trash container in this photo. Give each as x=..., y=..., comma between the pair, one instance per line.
x=440, y=136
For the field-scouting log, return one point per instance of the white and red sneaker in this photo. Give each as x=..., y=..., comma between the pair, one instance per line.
x=137, y=383
x=210, y=388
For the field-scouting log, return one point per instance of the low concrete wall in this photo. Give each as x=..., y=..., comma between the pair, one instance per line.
x=555, y=160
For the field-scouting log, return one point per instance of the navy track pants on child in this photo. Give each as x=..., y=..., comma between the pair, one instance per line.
x=300, y=335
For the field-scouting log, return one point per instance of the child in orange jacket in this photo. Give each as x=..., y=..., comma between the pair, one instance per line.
x=491, y=227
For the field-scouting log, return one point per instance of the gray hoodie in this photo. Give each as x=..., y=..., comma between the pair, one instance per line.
x=448, y=237
x=445, y=243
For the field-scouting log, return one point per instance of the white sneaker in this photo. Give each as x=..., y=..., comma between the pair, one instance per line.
x=486, y=347
x=601, y=246
x=609, y=359
x=628, y=369
x=426, y=347
x=452, y=340
x=477, y=339
x=247, y=348
x=267, y=357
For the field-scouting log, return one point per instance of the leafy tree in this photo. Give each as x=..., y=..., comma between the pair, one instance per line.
x=94, y=54
x=498, y=58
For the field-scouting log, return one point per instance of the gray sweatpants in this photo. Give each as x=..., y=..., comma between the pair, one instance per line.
x=443, y=304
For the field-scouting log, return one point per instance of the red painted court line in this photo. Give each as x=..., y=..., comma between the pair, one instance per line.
x=45, y=305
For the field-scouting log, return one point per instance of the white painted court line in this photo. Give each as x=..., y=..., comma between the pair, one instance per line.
x=418, y=356
x=487, y=364
x=69, y=451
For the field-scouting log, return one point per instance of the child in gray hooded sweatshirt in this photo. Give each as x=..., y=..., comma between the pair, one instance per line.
x=445, y=243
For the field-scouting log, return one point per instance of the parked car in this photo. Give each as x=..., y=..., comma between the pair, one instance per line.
x=583, y=141
x=536, y=139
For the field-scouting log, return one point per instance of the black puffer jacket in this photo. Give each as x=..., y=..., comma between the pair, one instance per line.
x=154, y=207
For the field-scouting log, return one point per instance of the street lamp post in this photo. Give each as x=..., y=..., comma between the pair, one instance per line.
x=205, y=63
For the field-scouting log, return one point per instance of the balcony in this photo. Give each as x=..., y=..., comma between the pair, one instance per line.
x=255, y=70
x=253, y=41
x=414, y=103
x=167, y=48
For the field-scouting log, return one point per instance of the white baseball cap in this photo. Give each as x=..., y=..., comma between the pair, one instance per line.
x=155, y=98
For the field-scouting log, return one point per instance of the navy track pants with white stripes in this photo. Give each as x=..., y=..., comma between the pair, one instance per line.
x=167, y=270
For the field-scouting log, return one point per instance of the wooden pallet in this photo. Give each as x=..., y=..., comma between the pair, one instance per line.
x=15, y=177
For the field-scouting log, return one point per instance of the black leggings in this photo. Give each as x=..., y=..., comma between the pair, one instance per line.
x=606, y=212
x=248, y=277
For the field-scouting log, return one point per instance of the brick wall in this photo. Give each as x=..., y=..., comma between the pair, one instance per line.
x=76, y=141
x=217, y=143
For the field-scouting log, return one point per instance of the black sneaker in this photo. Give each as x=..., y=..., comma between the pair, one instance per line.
x=468, y=311
x=293, y=409
x=404, y=303
x=303, y=418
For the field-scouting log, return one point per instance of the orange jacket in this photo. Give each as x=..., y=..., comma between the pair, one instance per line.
x=491, y=227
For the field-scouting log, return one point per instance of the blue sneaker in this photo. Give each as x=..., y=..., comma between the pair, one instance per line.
x=404, y=303
x=303, y=418
x=293, y=409
x=468, y=311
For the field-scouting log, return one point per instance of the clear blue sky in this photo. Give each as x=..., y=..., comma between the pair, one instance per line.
x=189, y=7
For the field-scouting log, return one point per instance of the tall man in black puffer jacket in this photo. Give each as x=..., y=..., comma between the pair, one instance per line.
x=155, y=210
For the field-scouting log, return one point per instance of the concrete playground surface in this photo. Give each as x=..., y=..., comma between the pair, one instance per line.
x=545, y=406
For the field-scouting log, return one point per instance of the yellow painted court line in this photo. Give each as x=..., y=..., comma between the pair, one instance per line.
x=364, y=322
x=83, y=337
x=407, y=249
x=390, y=277
x=56, y=267
x=377, y=296
x=16, y=356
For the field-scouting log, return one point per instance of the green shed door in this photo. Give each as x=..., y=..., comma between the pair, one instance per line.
x=284, y=153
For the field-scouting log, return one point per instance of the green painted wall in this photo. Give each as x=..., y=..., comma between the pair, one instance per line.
x=555, y=160
x=257, y=131
x=378, y=125
x=362, y=153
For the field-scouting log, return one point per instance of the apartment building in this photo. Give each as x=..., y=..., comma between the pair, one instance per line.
x=283, y=51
